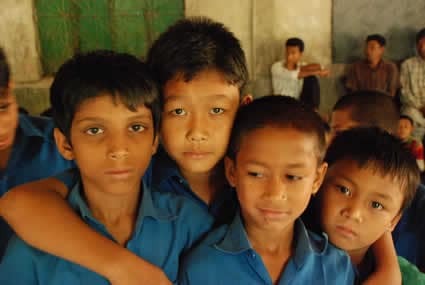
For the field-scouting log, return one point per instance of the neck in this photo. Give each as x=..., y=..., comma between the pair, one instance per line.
x=111, y=209
x=4, y=157
x=269, y=242
x=206, y=185
x=290, y=66
x=357, y=256
x=374, y=63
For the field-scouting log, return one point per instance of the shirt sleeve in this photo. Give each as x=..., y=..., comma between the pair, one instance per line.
x=18, y=265
x=394, y=80
x=407, y=96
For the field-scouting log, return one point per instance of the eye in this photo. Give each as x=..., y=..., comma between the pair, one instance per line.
x=4, y=107
x=94, y=131
x=293, y=177
x=137, y=128
x=377, y=205
x=217, y=111
x=255, y=174
x=178, y=112
x=344, y=190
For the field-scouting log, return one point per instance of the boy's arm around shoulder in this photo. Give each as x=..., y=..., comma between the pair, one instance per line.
x=18, y=264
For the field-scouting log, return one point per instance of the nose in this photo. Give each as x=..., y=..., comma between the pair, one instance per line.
x=118, y=148
x=197, y=129
x=276, y=190
x=353, y=210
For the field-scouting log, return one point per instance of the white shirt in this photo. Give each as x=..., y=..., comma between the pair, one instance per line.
x=285, y=81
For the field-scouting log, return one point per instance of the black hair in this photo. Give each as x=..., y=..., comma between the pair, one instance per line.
x=420, y=35
x=93, y=74
x=4, y=72
x=295, y=42
x=384, y=153
x=196, y=44
x=378, y=38
x=371, y=108
x=407, y=118
x=276, y=111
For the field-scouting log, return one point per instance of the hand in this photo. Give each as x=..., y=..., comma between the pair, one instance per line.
x=324, y=72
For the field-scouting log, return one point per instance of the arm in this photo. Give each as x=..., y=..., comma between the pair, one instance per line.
x=394, y=81
x=312, y=69
x=387, y=268
x=72, y=237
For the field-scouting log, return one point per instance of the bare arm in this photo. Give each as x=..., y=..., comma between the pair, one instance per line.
x=387, y=268
x=57, y=229
x=312, y=69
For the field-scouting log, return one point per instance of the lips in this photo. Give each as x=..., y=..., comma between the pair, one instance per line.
x=119, y=174
x=346, y=232
x=272, y=213
x=196, y=154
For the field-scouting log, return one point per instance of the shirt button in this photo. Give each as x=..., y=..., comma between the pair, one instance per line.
x=252, y=255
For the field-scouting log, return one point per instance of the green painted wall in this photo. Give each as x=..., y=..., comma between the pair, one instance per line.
x=70, y=26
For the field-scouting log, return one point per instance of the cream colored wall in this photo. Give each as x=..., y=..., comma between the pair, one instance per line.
x=19, y=38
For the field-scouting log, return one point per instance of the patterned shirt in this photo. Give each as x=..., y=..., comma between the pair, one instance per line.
x=412, y=79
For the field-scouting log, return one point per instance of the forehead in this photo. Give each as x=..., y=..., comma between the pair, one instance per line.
x=342, y=119
x=404, y=121
x=373, y=43
x=206, y=85
x=292, y=49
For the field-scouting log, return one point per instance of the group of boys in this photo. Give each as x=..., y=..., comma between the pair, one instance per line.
x=219, y=200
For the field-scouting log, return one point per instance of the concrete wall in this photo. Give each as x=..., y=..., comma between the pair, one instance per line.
x=18, y=37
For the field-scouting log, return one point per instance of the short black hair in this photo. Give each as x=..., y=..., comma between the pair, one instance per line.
x=93, y=74
x=295, y=42
x=196, y=44
x=420, y=35
x=383, y=152
x=378, y=38
x=4, y=72
x=371, y=108
x=407, y=118
x=276, y=111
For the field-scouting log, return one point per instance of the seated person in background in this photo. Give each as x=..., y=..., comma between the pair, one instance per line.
x=27, y=148
x=412, y=77
x=289, y=76
x=405, y=130
x=370, y=181
x=106, y=110
x=275, y=163
x=373, y=73
x=374, y=109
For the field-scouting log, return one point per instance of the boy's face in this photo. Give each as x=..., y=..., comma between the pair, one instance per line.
x=197, y=119
x=358, y=205
x=275, y=174
x=374, y=51
x=8, y=119
x=405, y=129
x=293, y=54
x=111, y=145
x=420, y=47
x=341, y=121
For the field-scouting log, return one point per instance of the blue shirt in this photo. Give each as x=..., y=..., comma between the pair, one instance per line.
x=227, y=257
x=34, y=156
x=163, y=174
x=409, y=234
x=166, y=226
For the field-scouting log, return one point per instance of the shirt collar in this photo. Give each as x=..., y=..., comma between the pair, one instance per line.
x=147, y=207
x=236, y=241
x=27, y=128
x=164, y=168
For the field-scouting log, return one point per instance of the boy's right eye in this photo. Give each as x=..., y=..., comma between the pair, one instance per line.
x=178, y=112
x=255, y=174
x=344, y=190
x=94, y=131
x=4, y=107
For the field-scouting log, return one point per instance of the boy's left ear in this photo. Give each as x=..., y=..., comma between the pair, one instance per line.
x=230, y=171
x=320, y=176
x=246, y=99
x=63, y=145
x=155, y=144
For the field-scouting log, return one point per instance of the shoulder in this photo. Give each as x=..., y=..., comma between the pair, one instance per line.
x=277, y=66
x=40, y=125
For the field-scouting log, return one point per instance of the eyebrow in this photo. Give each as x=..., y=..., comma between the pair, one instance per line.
x=213, y=96
x=96, y=119
x=383, y=196
x=291, y=165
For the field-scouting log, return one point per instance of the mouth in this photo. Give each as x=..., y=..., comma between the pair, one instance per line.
x=196, y=154
x=273, y=214
x=119, y=174
x=346, y=232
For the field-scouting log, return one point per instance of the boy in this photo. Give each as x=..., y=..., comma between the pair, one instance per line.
x=288, y=75
x=202, y=72
x=106, y=111
x=275, y=163
x=374, y=73
x=26, y=146
x=371, y=180
x=374, y=109
x=404, y=132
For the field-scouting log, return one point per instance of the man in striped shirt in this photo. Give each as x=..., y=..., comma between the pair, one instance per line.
x=412, y=79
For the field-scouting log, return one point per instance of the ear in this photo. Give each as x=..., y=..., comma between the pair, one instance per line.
x=155, y=144
x=394, y=222
x=230, y=171
x=63, y=145
x=320, y=175
x=246, y=99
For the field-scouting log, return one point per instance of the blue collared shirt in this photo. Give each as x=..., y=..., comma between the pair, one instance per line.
x=34, y=156
x=167, y=225
x=163, y=174
x=227, y=257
